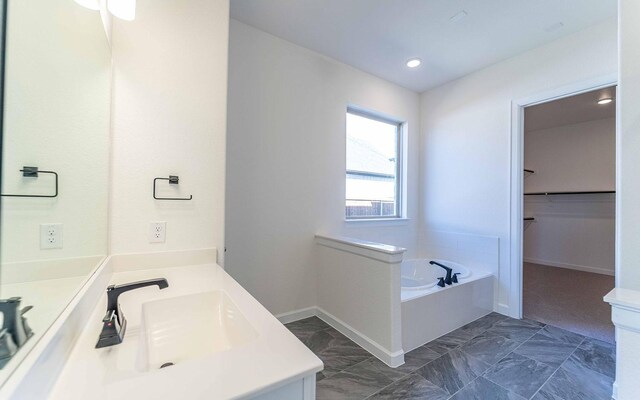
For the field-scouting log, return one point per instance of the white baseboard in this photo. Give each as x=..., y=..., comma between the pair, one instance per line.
x=391, y=359
x=595, y=270
x=614, y=395
x=502, y=309
x=297, y=315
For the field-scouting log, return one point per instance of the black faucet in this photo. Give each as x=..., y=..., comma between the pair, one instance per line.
x=14, y=321
x=447, y=280
x=114, y=322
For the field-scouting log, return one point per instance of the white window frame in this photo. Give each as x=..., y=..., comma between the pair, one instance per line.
x=400, y=209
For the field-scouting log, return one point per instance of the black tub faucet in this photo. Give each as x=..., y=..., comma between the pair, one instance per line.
x=114, y=322
x=447, y=280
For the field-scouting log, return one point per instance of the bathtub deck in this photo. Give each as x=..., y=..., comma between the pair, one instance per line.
x=495, y=357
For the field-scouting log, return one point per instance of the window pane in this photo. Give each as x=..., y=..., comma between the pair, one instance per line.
x=372, y=153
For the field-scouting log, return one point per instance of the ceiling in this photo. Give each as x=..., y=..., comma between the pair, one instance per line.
x=570, y=110
x=379, y=36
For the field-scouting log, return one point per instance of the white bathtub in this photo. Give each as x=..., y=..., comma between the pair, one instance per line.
x=430, y=311
x=418, y=274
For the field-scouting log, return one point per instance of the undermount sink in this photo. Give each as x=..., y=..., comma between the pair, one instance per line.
x=193, y=326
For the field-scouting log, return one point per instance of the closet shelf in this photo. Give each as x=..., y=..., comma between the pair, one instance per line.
x=560, y=193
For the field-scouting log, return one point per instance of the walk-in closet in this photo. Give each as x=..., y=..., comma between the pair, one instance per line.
x=569, y=212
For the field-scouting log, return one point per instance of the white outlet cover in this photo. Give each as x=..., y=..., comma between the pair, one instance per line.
x=50, y=236
x=157, y=232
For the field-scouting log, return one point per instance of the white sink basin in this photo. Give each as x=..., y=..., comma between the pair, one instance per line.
x=182, y=328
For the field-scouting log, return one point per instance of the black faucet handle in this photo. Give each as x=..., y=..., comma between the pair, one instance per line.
x=108, y=317
x=454, y=277
x=113, y=330
x=441, y=281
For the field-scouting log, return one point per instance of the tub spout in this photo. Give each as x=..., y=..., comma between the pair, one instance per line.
x=447, y=280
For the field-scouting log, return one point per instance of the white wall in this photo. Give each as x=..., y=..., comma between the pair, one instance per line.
x=628, y=275
x=286, y=163
x=579, y=157
x=465, y=147
x=625, y=297
x=57, y=108
x=576, y=231
x=169, y=118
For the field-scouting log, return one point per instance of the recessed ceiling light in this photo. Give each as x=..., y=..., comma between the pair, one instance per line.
x=414, y=62
x=605, y=101
x=459, y=16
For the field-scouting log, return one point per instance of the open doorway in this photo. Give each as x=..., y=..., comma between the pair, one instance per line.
x=568, y=213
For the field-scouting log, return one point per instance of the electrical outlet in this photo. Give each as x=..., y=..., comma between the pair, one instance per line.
x=50, y=236
x=157, y=232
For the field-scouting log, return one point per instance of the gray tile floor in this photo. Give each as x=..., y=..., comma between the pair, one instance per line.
x=493, y=358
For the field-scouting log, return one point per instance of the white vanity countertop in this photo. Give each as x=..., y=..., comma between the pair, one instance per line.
x=275, y=358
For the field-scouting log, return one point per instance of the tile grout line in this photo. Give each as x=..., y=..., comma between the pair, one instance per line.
x=483, y=331
x=559, y=366
x=497, y=362
x=416, y=369
x=429, y=362
x=422, y=366
x=406, y=375
x=468, y=384
x=381, y=389
x=329, y=327
x=456, y=348
x=512, y=352
x=587, y=366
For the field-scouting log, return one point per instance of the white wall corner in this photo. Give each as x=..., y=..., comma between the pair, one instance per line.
x=502, y=309
x=297, y=315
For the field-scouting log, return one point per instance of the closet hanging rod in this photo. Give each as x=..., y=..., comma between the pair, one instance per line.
x=560, y=193
x=529, y=219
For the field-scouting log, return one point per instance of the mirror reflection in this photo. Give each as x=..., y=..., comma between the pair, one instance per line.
x=55, y=150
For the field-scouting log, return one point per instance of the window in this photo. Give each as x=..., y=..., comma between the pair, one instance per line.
x=373, y=166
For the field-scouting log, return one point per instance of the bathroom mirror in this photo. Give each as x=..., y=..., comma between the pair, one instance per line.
x=55, y=154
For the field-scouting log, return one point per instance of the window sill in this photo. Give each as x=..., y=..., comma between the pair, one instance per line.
x=381, y=221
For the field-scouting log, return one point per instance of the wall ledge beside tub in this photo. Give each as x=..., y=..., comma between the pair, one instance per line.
x=359, y=293
x=376, y=251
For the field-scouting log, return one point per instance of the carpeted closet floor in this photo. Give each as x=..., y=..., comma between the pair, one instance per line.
x=568, y=299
